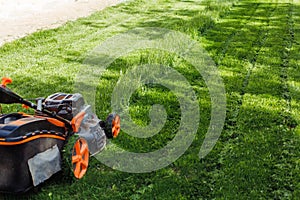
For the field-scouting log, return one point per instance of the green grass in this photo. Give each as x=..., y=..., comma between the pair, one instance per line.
x=255, y=44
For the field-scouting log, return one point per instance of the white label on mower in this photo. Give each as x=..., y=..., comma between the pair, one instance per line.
x=43, y=165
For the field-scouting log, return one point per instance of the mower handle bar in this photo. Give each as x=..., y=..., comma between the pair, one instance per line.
x=8, y=97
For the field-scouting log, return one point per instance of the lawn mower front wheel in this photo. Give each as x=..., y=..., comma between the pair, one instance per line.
x=80, y=158
x=113, y=125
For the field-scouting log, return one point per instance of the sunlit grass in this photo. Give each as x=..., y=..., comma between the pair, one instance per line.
x=257, y=155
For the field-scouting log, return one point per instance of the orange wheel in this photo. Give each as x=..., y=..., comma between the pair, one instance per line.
x=116, y=126
x=80, y=158
x=113, y=125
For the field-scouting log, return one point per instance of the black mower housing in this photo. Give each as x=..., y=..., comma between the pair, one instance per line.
x=23, y=137
x=31, y=146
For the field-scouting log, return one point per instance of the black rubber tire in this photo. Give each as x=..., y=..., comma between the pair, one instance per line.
x=109, y=125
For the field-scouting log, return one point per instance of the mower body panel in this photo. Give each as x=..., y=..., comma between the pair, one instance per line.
x=22, y=137
x=17, y=124
x=92, y=132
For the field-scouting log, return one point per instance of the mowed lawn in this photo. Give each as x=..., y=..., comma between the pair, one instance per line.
x=256, y=47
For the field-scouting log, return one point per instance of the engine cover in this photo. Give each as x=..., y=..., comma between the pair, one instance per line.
x=64, y=105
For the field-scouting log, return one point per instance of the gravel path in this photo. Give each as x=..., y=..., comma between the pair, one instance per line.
x=19, y=18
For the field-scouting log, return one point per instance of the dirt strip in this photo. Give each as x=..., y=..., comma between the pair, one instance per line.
x=19, y=18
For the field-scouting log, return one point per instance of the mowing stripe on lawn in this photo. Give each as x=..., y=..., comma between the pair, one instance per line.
x=266, y=148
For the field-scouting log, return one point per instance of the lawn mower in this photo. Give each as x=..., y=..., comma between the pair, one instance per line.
x=62, y=129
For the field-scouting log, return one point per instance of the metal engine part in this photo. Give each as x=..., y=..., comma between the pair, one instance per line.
x=64, y=105
x=92, y=132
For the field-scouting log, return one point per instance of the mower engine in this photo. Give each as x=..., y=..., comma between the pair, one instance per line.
x=91, y=129
x=64, y=105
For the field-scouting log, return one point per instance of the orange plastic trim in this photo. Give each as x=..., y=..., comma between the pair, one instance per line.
x=25, y=114
x=55, y=122
x=76, y=121
x=6, y=81
x=18, y=122
x=25, y=106
x=31, y=138
x=80, y=158
x=116, y=126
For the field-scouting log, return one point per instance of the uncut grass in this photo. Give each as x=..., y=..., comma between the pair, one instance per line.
x=256, y=156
